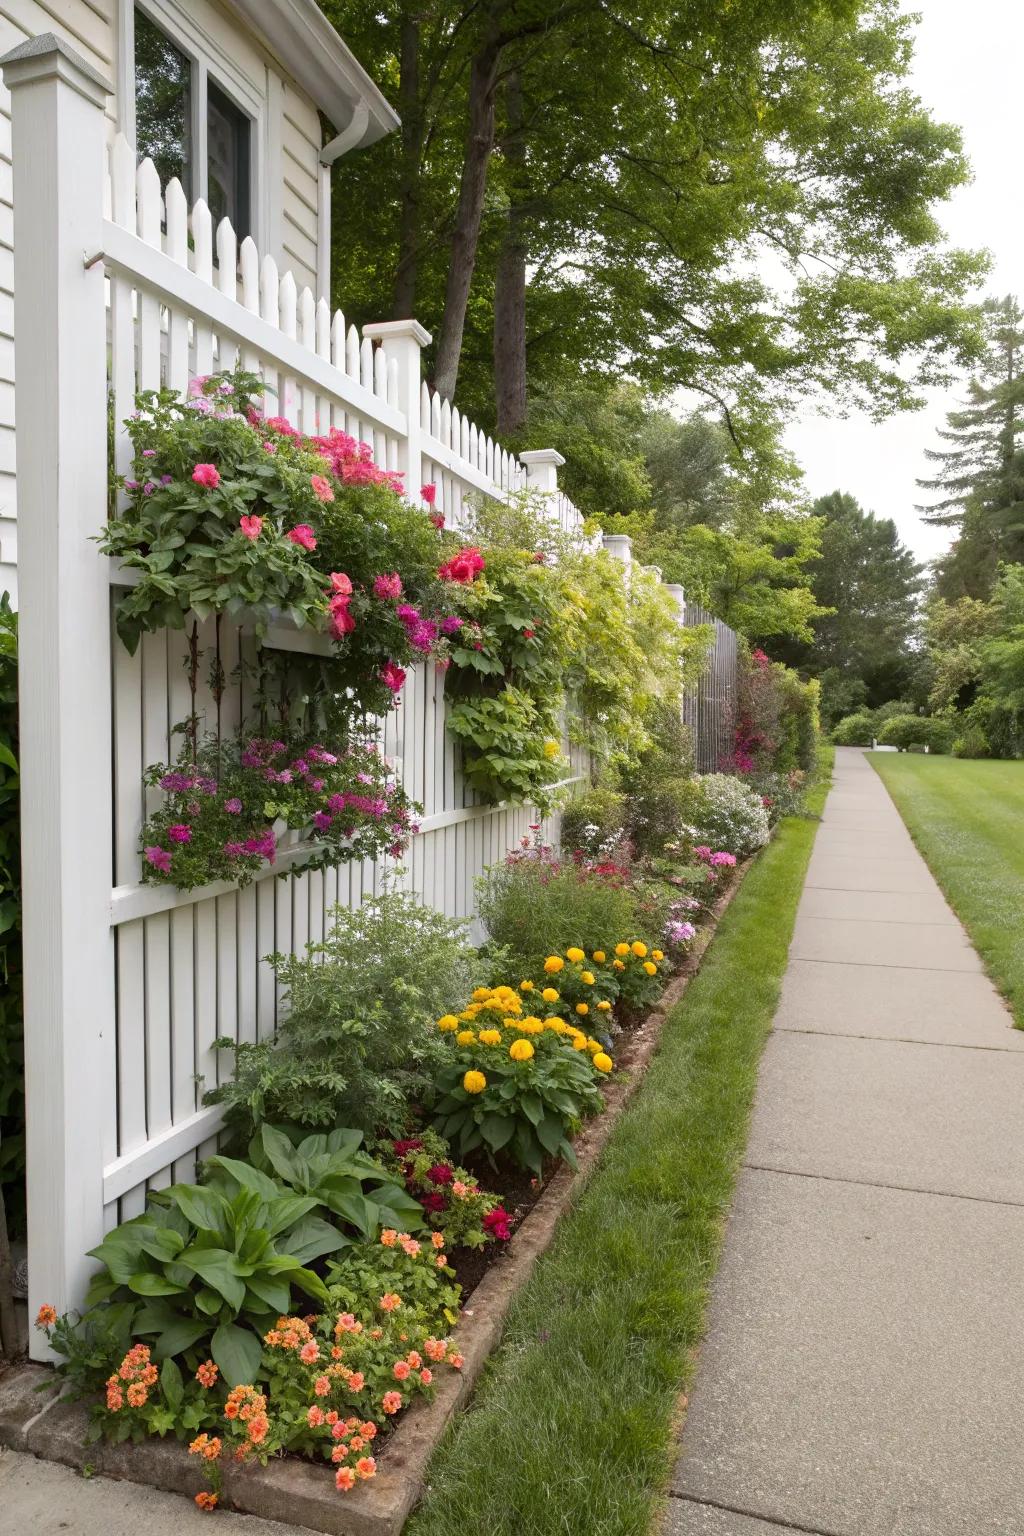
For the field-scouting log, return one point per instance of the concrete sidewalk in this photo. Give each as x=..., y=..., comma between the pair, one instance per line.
x=863, y=1366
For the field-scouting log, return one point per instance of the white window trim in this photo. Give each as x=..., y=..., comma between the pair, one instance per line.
x=180, y=24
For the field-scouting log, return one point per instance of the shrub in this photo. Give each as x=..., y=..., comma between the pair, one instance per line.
x=659, y=811
x=515, y=1084
x=727, y=815
x=451, y=1200
x=855, y=731
x=533, y=904
x=593, y=822
x=777, y=718
x=356, y=1044
x=905, y=731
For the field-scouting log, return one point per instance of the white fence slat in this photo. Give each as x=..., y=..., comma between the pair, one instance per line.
x=176, y=246
x=202, y=266
x=149, y=213
x=227, y=261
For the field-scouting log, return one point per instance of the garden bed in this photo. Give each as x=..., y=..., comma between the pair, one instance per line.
x=290, y=1489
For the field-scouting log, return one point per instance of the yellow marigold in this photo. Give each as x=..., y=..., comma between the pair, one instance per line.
x=622, y=949
x=495, y=1004
x=531, y=1026
x=490, y=1037
x=587, y=977
x=448, y=1021
x=550, y=995
x=480, y=994
x=650, y=968
x=474, y=1082
x=582, y=1007
x=574, y=954
x=526, y=986
x=619, y=965
x=599, y=956
x=551, y=747
x=557, y=1026
x=639, y=949
x=579, y=1042
x=605, y=1006
x=602, y=1062
x=520, y=1050
x=465, y=1037
x=594, y=1045
x=657, y=954
x=553, y=964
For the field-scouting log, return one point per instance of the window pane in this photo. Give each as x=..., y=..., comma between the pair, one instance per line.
x=163, y=88
x=228, y=132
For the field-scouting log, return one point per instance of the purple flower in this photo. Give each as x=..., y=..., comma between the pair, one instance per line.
x=166, y=479
x=149, y=453
x=208, y=786
x=200, y=404
x=265, y=845
x=177, y=782
x=407, y=613
x=180, y=833
x=160, y=858
x=131, y=485
x=679, y=933
x=316, y=784
x=148, y=488
x=322, y=821
x=233, y=806
x=451, y=625
x=235, y=850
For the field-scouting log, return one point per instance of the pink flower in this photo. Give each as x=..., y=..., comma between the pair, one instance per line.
x=356, y=1382
x=401, y=1369
x=181, y=832
x=392, y=676
x=341, y=584
x=281, y=424
x=437, y=518
x=160, y=858
x=342, y=622
x=309, y=1353
x=426, y=1376
x=251, y=527
x=388, y=586
x=463, y=567
x=302, y=534
x=429, y=494
x=233, y=806
x=321, y=488
x=322, y=1386
x=391, y=1402
x=208, y=475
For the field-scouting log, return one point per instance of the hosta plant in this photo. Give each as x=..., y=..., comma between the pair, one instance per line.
x=207, y=1274
x=516, y=1084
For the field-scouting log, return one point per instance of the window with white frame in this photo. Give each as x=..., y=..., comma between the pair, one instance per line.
x=190, y=126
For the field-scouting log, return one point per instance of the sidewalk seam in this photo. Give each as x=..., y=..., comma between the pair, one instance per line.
x=881, y=965
x=903, y=1189
x=842, y=1034
x=750, y=1514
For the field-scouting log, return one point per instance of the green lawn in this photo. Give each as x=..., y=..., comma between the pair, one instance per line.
x=571, y=1431
x=967, y=818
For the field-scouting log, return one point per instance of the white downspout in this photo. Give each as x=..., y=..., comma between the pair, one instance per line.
x=333, y=150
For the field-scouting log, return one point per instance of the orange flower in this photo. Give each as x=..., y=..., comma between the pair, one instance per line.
x=46, y=1316
x=426, y=1376
x=207, y=1374
x=356, y=1382
x=368, y=1430
x=400, y=1369
x=390, y=1301
x=437, y=1239
x=258, y=1428
x=206, y=1501
x=322, y=1386
x=389, y=1237
x=136, y=1394
x=391, y=1402
x=366, y=1466
x=344, y=1479
x=415, y=1359
x=456, y=1361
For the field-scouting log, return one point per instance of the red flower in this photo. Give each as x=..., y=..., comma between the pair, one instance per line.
x=303, y=535
x=402, y=1148
x=392, y=676
x=434, y=1202
x=429, y=494
x=496, y=1222
x=440, y=1174
x=437, y=518
x=463, y=567
x=208, y=475
x=528, y=634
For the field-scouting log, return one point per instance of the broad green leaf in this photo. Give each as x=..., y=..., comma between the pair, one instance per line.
x=550, y=1133
x=172, y=1384
x=285, y=1210
x=146, y=1283
x=238, y=1352
x=246, y=1176
x=271, y=1291
x=282, y=1156
x=179, y=1336
x=218, y=1268
x=311, y=1239
x=497, y=1130
x=205, y=1208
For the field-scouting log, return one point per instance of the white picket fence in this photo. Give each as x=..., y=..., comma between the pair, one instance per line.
x=121, y=288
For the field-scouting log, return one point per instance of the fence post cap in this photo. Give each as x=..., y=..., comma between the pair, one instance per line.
x=49, y=56
x=395, y=330
x=542, y=456
x=676, y=588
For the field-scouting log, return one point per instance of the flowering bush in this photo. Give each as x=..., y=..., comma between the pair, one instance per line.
x=727, y=815
x=516, y=1082
x=777, y=718
x=453, y=1203
x=227, y=805
x=356, y=1043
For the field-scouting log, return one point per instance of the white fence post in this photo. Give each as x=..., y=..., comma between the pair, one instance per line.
x=620, y=547
x=64, y=674
x=403, y=341
x=542, y=466
x=677, y=592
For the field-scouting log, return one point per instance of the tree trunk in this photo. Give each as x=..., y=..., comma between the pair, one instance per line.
x=466, y=233
x=410, y=110
x=510, y=278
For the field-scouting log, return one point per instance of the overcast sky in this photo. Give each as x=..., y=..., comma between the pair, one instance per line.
x=967, y=71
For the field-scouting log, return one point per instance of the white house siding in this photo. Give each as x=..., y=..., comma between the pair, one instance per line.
x=288, y=147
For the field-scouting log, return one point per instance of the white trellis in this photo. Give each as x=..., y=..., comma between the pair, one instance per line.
x=121, y=287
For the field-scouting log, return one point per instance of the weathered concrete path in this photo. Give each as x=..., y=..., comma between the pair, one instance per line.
x=864, y=1366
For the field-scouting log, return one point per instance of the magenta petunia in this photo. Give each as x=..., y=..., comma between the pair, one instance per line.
x=159, y=858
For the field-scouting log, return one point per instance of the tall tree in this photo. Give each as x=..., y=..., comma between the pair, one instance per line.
x=979, y=470
x=647, y=194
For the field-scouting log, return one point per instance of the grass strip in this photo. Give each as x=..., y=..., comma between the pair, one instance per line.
x=966, y=819
x=572, y=1429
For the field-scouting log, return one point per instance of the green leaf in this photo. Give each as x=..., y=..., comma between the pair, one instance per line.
x=281, y=1155
x=120, y=1251
x=248, y=1177
x=531, y=1107
x=238, y=1352
x=285, y=1210
x=163, y=1243
x=219, y=1269
x=146, y=1283
x=179, y=1336
x=497, y=1130
x=550, y=1133
x=312, y=1238
x=204, y=1208
x=272, y=1292
x=172, y=1384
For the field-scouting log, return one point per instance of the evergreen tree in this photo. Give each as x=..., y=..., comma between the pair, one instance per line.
x=979, y=477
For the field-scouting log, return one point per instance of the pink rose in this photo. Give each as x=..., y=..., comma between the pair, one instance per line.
x=303, y=535
x=388, y=586
x=392, y=676
x=341, y=583
x=429, y=494
x=342, y=622
x=208, y=475
x=251, y=527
